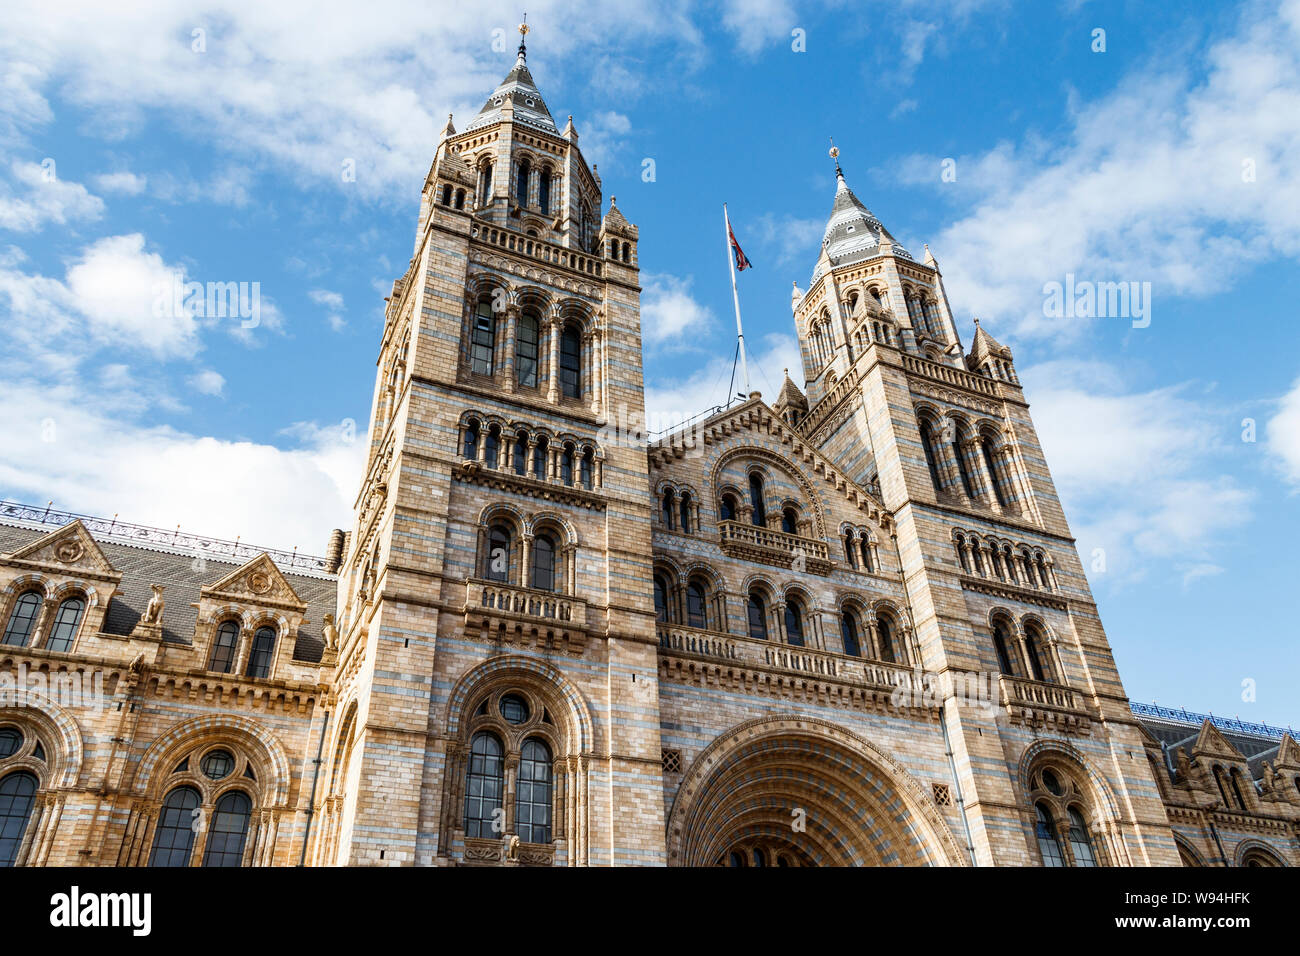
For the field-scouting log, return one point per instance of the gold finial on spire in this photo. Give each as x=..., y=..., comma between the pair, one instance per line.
x=835, y=155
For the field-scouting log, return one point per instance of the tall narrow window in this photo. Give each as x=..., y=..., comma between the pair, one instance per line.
x=492, y=446
x=885, y=631
x=1043, y=579
x=17, y=796
x=864, y=545
x=1002, y=644
x=229, y=830
x=790, y=521
x=1235, y=779
x=1037, y=666
x=566, y=465
x=469, y=450
x=533, y=803
x=727, y=508
x=521, y=453
x=484, y=339
x=587, y=468
x=223, y=648
x=931, y=461
x=484, y=786
x=544, y=191
x=526, y=351
x=962, y=468
x=174, y=837
x=695, y=605
x=543, y=570
x=668, y=508
x=539, y=459
x=521, y=187
x=485, y=184
x=684, y=510
x=498, y=556
x=986, y=449
x=850, y=552
x=757, y=616
x=849, y=634
x=64, y=631
x=22, y=619
x=571, y=363
x=756, y=499
x=661, y=600
x=259, y=658
x=1048, y=844
x=793, y=622
x=1080, y=841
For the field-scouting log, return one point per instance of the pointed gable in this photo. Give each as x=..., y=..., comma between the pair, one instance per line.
x=70, y=549
x=1210, y=742
x=1288, y=753
x=257, y=582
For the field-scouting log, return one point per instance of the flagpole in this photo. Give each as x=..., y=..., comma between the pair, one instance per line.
x=735, y=296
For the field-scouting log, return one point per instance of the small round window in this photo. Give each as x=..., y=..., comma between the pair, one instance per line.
x=1051, y=783
x=218, y=763
x=514, y=708
x=11, y=739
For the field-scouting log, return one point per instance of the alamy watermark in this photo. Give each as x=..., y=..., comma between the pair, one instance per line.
x=1085, y=299
x=179, y=299
x=27, y=688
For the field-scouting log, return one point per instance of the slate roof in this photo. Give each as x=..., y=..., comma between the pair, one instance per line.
x=853, y=233
x=183, y=576
x=526, y=100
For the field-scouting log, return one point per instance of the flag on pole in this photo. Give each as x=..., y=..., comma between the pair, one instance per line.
x=741, y=262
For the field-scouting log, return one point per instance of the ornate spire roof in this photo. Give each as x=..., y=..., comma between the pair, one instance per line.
x=519, y=90
x=853, y=233
x=790, y=395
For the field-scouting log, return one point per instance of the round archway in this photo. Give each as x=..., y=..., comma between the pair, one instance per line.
x=810, y=792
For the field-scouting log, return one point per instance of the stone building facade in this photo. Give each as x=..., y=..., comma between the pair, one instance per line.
x=850, y=627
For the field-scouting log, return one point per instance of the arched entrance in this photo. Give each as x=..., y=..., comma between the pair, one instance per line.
x=808, y=792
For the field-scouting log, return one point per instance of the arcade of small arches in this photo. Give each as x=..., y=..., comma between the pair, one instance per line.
x=522, y=340
x=527, y=551
x=1024, y=647
x=698, y=598
x=530, y=452
x=970, y=462
x=989, y=556
x=754, y=506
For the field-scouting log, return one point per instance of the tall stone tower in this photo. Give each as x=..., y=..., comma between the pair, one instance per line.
x=497, y=642
x=991, y=572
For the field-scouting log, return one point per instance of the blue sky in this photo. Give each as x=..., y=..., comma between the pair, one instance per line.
x=135, y=149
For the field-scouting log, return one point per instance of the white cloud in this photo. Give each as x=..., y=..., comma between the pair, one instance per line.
x=796, y=241
x=126, y=183
x=332, y=301
x=93, y=456
x=1138, y=473
x=1282, y=434
x=1151, y=184
x=208, y=382
x=40, y=197
x=669, y=312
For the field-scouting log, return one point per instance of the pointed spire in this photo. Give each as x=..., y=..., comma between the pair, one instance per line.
x=448, y=131
x=517, y=94
x=790, y=395
x=853, y=233
x=795, y=296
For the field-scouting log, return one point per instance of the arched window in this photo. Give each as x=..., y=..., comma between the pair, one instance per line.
x=544, y=190
x=500, y=545
x=794, y=622
x=790, y=521
x=526, y=351
x=668, y=508
x=539, y=459
x=23, y=619
x=470, y=449
x=544, y=563
x=587, y=468
x=1223, y=791
x=483, y=341
x=521, y=187
x=986, y=449
x=1002, y=644
x=1048, y=844
x=756, y=499
x=849, y=634
x=446, y=194
x=661, y=600
x=66, y=621
x=17, y=796
x=223, y=647
x=864, y=545
x=962, y=468
x=259, y=658
x=492, y=446
x=229, y=830
x=684, y=511
x=460, y=199
x=533, y=802
x=571, y=363
x=484, y=786
x=850, y=550
x=1235, y=779
x=485, y=183
x=931, y=459
x=521, y=453
x=696, y=596
x=566, y=465
x=1042, y=573
x=174, y=837
x=1039, y=667
x=735, y=859
x=727, y=508
x=885, y=632
x=757, y=616
x=1080, y=841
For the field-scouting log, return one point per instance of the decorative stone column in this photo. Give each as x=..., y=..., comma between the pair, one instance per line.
x=597, y=369
x=553, y=369
x=525, y=565
x=980, y=476
x=512, y=329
